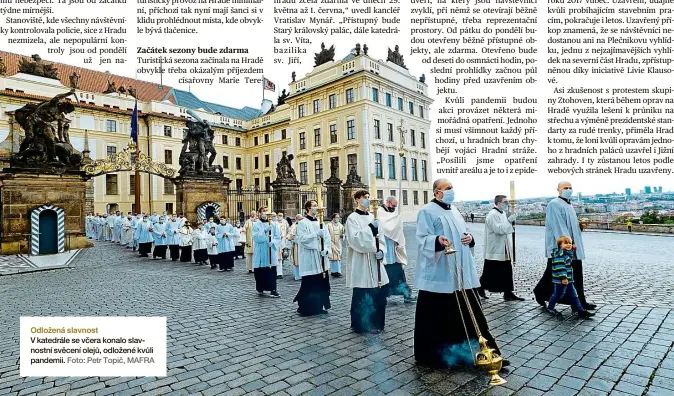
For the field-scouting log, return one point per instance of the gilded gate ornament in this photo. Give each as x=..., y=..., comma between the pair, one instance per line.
x=126, y=160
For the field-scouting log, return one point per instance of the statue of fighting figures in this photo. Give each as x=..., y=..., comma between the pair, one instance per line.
x=197, y=146
x=47, y=140
x=284, y=169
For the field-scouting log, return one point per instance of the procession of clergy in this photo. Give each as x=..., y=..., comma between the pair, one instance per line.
x=449, y=317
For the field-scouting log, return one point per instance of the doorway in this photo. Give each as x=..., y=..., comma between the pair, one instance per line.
x=48, y=232
x=210, y=210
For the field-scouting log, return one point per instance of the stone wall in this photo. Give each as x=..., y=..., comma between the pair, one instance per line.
x=593, y=225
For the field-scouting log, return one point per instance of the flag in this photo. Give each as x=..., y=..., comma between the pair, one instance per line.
x=134, y=123
x=268, y=85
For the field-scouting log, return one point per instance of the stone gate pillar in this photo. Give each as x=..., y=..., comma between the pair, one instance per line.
x=286, y=189
x=24, y=190
x=286, y=198
x=193, y=190
x=353, y=184
x=334, y=190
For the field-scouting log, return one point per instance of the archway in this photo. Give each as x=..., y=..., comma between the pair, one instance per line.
x=47, y=230
x=207, y=210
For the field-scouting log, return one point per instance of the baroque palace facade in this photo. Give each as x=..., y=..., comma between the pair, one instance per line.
x=350, y=109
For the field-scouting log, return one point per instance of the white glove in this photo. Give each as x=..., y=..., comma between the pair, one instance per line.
x=375, y=224
x=512, y=217
x=379, y=255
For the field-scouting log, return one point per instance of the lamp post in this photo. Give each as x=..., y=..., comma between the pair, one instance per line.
x=401, y=153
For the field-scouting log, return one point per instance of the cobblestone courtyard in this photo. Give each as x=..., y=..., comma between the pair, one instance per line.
x=224, y=339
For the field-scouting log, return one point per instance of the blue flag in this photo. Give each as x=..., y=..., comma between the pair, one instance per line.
x=134, y=123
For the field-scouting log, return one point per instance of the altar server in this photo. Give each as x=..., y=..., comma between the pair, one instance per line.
x=173, y=237
x=265, y=240
x=391, y=225
x=314, y=295
x=212, y=247
x=283, y=230
x=160, y=239
x=443, y=328
x=227, y=237
x=154, y=218
x=101, y=224
x=127, y=232
x=365, y=272
x=294, y=248
x=336, y=231
x=144, y=236
x=248, y=250
x=135, y=221
x=185, y=237
x=497, y=273
x=199, y=245
x=89, y=226
x=119, y=220
x=109, y=227
x=209, y=224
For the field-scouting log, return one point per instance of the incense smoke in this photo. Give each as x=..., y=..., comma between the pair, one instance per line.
x=460, y=354
x=401, y=289
x=366, y=310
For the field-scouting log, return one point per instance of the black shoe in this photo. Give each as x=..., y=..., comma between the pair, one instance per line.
x=589, y=307
x=336, y=275
x=409, y=300
x=275, y=294
x=482, y=294
x=505, y=363
x=585, y=315
x=324, y=311
x=250, y=271
x=541, y=303
x=512, y=297
x=279, y=276
x=221, y=270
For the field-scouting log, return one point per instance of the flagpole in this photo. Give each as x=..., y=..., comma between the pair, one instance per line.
x=136, y=179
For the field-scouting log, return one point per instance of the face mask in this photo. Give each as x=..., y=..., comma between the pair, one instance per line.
x=448, y=196
x=567, y=193
x=273, y=219
x=144, y=219
x=263, y=216
x=336, y=220
x=365, y=203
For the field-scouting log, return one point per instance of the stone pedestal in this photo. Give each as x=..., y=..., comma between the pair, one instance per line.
x=349, y=204
x=334, y=197
x=26, y=193
x=286, y=197
x=194, y=192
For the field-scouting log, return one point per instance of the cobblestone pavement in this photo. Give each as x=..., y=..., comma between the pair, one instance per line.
x=224, y=339
x=11, y=264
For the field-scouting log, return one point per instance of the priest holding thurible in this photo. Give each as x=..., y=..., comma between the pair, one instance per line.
x=448, y=306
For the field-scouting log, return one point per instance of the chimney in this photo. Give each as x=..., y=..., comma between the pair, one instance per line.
x=266, y=105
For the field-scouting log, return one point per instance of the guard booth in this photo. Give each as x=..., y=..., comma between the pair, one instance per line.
x=47, y=230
